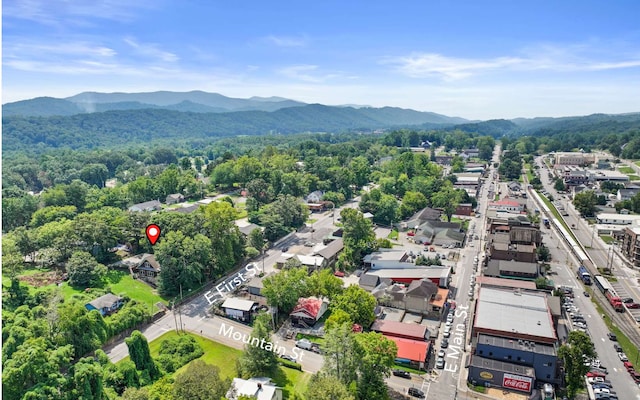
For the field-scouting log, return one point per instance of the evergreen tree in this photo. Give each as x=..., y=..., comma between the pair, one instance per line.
x=258, y=358
x=140, y=354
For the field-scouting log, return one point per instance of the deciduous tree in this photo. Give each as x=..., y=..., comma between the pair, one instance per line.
x=200, y=381
x=258, y=358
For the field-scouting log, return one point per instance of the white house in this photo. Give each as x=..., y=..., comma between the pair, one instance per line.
x=255, y=388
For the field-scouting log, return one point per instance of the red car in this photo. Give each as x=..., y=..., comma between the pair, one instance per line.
x=633, y=305
x=593, y=374
x=339, y=274
x=411, y=233
x=628, y=366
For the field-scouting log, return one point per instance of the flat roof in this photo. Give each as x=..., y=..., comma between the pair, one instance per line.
x=238, y=304
x=502, y=282
x=395, y=328
x=514, y=266
x=514, y=312
x=623, y=217
x=502, y=366
x=385, y=256
x=426, y=273
x=525, y=345
x=408, y=349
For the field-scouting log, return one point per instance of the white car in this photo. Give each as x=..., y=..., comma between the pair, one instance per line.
x=440, y=363
x=595, y=379
x=622, y=357
x=441, y=353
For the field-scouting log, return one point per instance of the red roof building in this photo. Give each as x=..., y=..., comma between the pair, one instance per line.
x=413, y=351
x=308, y=311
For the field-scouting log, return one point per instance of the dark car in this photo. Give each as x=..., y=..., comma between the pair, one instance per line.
x=445, y=343
x=415, y=392
x=586, y=294
x=617, y=347
x=612, y=336
x=288, y=358
x=628, y=300
x=401, y=373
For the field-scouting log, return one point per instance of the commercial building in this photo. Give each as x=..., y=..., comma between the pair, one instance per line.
x=239, y=309
x=412, y=352
x=630, y=246
x=512, y=269
x=617, y=219
x=574, y=158
x=400, y=329
x=514, y=340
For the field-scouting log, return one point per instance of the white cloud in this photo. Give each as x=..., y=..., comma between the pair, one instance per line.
x=74, y=12
x=308, y=73
x=286, y=41
x=549, y=58
x=151, y=50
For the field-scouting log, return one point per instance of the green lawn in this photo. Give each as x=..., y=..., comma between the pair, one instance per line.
x=393, y=235
x=634, y=177
x=224, y=357
x=607, y=239
x=637, y=163
x=626, y=170
x=120, y=283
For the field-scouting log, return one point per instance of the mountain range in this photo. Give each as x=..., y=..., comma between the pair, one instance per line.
x=92, y=120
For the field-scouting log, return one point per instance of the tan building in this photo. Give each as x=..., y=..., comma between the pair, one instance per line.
x=574, y=158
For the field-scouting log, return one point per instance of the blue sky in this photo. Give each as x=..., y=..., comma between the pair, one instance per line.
x=474, y=59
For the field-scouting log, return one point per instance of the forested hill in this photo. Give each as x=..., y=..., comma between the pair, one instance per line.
x=122, y=127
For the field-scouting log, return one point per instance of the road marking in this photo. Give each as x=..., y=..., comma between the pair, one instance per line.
x=201, y=318
x=602, y=339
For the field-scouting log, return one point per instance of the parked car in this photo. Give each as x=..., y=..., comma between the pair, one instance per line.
x=288, y=358
x=440, y=363
x=601, y=386
x=622, y=357
x=595, y=379
x=628, y=300
x=444, y=344
x=595, y=374
x=633, y=305
x=415, y=392
x=612, y=336
x=339, y=274
x=441, y=353
x=586, y=294
x=401, y=373
x=617, y=347
x=628, y=366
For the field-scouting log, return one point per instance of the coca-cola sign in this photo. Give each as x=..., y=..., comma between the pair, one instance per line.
x=517, y=382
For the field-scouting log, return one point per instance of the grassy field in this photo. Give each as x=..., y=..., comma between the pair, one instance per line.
x=626, y=170
x=120, y=282
x=393, y=235
x=634, y=177
x=312, y=339
x=607, y=239
x=224, y=357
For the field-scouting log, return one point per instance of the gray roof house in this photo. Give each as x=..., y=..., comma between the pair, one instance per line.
x=174, y=198
x=107, y=304
x=369, y=282
x=148, y=206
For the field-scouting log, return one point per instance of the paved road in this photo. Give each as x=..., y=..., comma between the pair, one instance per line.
x=194, y=316
x=563, y=266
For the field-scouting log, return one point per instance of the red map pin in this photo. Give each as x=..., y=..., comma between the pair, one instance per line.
x=153, y=233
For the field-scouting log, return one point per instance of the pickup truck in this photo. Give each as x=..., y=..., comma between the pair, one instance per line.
x=304, y=344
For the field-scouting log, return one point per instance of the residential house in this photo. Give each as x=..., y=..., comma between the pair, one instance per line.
x=422, y=216
x=440, y=233
x=174, y=198
x=142, y=266
x=308, y=311
x=185, y=209
x=331, y=252
x=147, y=206
x=254, y=388
x=627, y=193
x=315, y=196
x=444, y=160
x=106, y=305
x=421, y=297
x=368, y=282
x=239, y=309
x=247, y=228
